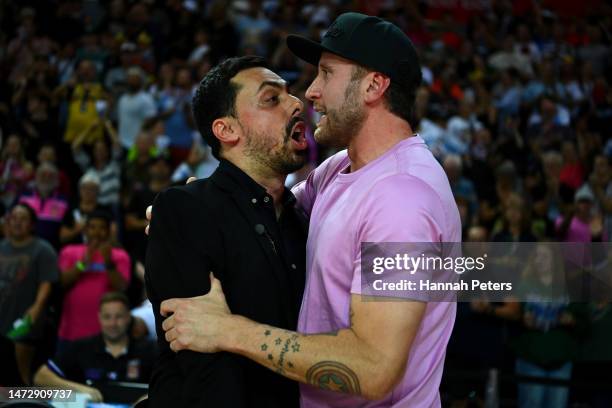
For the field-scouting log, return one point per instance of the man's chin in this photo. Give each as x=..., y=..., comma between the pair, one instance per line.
x=113, y=338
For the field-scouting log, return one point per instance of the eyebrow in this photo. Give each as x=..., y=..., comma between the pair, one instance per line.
x=276, y=84
x=323, y=65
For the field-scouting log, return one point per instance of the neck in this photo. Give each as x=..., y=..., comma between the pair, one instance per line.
x=21, y=242
x=380, y=132
x=116, y=346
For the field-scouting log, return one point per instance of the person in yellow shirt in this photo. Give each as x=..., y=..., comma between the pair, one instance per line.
x=87, y=102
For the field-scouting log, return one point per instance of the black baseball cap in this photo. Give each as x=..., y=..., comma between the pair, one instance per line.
x=369, y=41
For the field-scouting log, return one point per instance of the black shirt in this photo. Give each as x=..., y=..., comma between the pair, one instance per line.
x=226, y=224
x=89, y=360
x=286, y=234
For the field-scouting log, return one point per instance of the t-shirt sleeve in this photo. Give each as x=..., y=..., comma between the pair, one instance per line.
x=401, y=215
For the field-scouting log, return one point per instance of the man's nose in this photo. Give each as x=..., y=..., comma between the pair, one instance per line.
x=314, y=91
x=297, y=105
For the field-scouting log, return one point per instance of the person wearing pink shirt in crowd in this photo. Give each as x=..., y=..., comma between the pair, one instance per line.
x=88, y=271
x=386, y=187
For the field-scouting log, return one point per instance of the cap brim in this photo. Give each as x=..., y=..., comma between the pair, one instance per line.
x=305, y=49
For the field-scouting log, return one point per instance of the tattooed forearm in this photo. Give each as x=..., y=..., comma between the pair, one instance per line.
x=284, y=343
x=333, y=376
x=282, y=351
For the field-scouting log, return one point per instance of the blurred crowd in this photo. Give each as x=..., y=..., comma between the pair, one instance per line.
x=95, y=118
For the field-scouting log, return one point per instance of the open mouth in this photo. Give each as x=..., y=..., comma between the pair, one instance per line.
x=298, y=135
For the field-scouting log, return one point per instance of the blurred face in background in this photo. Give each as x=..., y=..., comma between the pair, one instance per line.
x=134, y=82
x=87, y=71
x=47, y=179
x=159, y=170
x=97, y=231
x=114, y=320
x=19, y=224
x=13, y=147
x=89, y=192
x=46, y=154
x=183, y=79
x=100, y=152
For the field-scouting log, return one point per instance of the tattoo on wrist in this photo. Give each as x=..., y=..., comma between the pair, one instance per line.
x=333, y=376
x=282, y=344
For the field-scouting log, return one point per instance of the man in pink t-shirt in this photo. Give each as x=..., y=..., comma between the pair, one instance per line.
x=88, y=271
x=386, y=187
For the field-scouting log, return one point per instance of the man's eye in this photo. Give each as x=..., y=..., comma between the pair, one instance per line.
x=272, y=99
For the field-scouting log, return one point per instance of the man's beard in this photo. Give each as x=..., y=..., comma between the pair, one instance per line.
x=284, y=161
x=344, y=123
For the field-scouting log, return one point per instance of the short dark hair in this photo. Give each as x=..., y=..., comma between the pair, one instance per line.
x=400, y=96
x=100, y=214
x=216, y=95
x=30, y=211
x=114, y=297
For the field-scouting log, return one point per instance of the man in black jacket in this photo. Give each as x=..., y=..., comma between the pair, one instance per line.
x=240, y=224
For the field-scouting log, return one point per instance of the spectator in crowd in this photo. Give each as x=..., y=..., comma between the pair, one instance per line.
x=116, y=80
x=175, y=108
x=135, y=171
x=47, y=153
x=600, y=182
x=200, y=163
x=553, y=327
x=105, y=164
x=111, y=355
x=135, y=106
x=28, y=268
x=88, y=271
x=86, y=102
x=15, y=169
x=514, y=224
x=73, y=224
x=580, y=223
x=160, y=170
x=462, y=187
x=50, y=206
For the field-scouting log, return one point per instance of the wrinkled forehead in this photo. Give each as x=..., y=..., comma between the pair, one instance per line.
x=254, y=80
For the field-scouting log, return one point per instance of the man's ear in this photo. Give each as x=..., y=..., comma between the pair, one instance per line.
x=226, y=129
x=376, y=85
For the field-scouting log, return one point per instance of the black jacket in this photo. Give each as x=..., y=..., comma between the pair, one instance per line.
x=225, y=224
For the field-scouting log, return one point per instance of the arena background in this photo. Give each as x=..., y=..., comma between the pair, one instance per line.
x=516, y=103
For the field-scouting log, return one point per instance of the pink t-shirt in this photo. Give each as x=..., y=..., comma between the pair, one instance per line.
x=80, y=310
x=402, y=196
